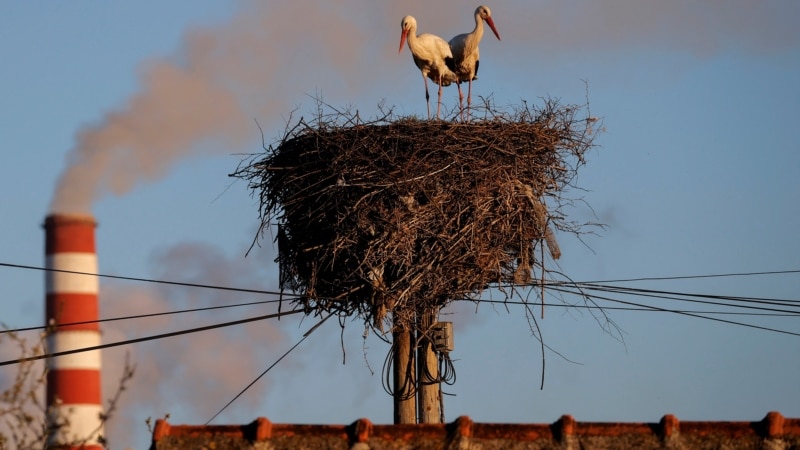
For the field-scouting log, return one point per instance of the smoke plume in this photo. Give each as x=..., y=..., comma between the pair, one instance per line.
x=205, y=99
x=266, y=59
x=189, y=376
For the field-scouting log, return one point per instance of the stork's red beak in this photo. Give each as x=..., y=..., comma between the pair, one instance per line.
x=491, y=25
x=402, y=40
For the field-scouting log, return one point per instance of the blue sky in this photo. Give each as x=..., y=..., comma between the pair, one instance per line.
x=695, y=174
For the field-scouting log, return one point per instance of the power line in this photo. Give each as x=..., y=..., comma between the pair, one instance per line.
x=763, y=300
x=307, y=333
x=565, y=288
x=258, y=291
x=142, y=316
x=690, y=277
x=716, y=319
x=146, y=280
x=640, y=308
x=581, y=287
x=597, y=285
x=148, y=338
x=677, y=296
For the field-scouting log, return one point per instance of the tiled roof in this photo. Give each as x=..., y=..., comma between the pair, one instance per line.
x=774, y=432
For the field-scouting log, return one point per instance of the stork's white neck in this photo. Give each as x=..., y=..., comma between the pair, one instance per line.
x=478, y=31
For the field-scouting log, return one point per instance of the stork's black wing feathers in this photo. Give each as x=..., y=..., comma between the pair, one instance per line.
x=450, y=63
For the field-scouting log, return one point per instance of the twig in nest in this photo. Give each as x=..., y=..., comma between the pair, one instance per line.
x=394, y=215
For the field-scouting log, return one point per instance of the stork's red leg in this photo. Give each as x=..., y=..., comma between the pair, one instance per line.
x=439, y=103
x=460, y=100
x=469, y=97
x=427, y=96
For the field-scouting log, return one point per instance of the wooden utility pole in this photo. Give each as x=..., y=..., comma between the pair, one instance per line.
x=428, y=393
x=405, y=410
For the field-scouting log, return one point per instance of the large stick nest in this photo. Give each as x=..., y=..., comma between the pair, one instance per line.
x=389, y=217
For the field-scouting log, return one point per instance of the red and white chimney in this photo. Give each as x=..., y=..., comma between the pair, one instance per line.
x=73, y=381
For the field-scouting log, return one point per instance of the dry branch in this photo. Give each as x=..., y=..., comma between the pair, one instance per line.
x=398, y=215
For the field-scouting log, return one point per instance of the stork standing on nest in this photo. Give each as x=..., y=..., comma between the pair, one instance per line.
x=432, y=56
x=466, y=54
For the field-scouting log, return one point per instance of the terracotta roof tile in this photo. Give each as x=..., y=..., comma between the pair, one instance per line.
x=773, y=432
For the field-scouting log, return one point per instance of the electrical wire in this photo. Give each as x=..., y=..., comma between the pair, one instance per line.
x=307, y=334
x=747, y=303
x=580, y=288
x=142, y=316
x=692, y=277
x=146, y=280
x=148, y=338
x=642, y=308
x=583, y=292
x=581, y=283
x=576, y=288
x=664, y=294
x=447, y=371
x=660, y=309
x=715, y=319
x=593, y=285
x=678, y=296
x=408, y=387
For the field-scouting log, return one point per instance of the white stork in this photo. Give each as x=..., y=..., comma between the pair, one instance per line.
x=432, y=56
x=466, y=53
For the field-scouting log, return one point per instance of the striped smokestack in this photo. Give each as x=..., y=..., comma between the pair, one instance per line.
x=73, y=381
